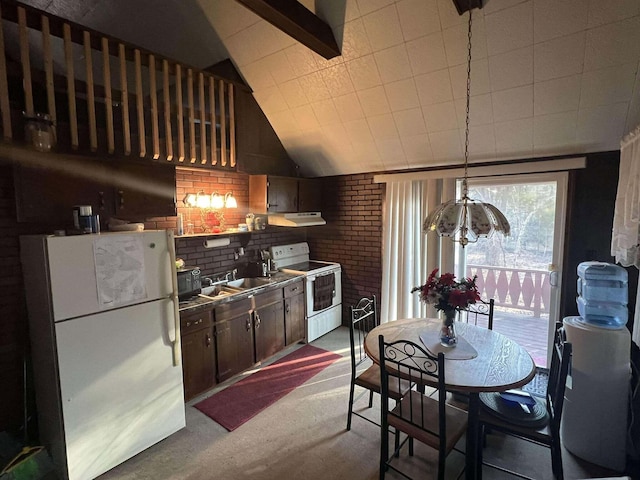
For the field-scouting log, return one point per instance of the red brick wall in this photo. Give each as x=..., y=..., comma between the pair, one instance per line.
x=352, y=207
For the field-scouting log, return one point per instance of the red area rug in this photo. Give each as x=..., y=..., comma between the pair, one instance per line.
x=243, y=400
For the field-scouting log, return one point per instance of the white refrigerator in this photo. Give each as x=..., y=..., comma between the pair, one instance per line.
x=105, y=344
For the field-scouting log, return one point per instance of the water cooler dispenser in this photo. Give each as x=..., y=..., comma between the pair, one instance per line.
x=594, y=420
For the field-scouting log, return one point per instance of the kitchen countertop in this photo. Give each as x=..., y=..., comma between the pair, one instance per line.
x=279, y=280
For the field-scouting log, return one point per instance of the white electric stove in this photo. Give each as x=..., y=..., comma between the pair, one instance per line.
x=323, y=286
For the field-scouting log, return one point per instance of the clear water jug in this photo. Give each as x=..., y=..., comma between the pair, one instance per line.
x=603, y=294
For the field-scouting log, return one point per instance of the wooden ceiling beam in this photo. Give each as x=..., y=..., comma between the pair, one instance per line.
x=466, y=5
x=299, y=23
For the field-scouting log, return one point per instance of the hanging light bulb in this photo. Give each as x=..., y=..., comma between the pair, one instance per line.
x=466, y=220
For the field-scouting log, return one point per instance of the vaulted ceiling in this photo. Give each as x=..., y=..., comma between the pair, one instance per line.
x=549, y=77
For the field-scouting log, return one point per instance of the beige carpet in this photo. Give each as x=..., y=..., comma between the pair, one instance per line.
x=303, y=436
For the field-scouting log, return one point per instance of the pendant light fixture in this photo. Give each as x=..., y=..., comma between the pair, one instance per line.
x=466, y=220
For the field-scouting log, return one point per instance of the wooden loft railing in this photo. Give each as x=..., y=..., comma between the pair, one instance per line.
x=108, y=97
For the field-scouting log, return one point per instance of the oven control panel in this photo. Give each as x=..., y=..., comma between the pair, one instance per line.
x=283, y=252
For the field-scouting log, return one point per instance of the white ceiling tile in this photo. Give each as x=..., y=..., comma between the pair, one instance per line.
x=284, y=123
x=449, y=15
x=513, y=103
x=608, y=85
x=326, y=112
x=257, y=75
x=456, y=42
x=480, y=83
x=363, y=72
x=305, y=118
x=355, y=42
x=434, y=87
x=242, y=17
x=417, y=149
x=633, y=117
x=613, y=44
x=558, y=95
x=374, y=101
x=426, y=54
x=358, y=131
x=510, y=28
x=366, y=154
x=482, y=142
x=243, y=47
x=293, y=93
x=383, y=126
x=348, y=107
x=480, y=110
x=337, y=80
x=402, y=95
x=514, y=138
x=557, y=18
x=351, y=10
x=511, y=69
x=270, y=100
x=611, y=11
x=301, y=60
x=559, y=57
x=601, y=126
x=395, y=163
x=383, y=28
x=410, y=122
x=390, y=150
x=270, y=39
x=493, y=6
x=440, y=116
x=279, y=67
x=314, y=86
x=446, y=145
x=336, y=134
x=368, y=6
x=554, y=130
x=418, y=17
x=393, y=63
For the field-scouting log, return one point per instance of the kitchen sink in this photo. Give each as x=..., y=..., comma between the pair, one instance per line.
x=249, y=282
x=214, y=291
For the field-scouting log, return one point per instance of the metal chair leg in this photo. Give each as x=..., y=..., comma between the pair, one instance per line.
x=350, y=405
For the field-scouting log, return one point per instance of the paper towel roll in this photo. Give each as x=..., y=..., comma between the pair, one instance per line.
x=217, y=242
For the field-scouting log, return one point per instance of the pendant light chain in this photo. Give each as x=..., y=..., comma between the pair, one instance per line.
x=466, y=131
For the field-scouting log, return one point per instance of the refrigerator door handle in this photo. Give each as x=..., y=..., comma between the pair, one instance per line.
x=175, y=341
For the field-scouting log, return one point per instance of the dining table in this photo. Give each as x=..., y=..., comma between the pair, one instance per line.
x=482, y=361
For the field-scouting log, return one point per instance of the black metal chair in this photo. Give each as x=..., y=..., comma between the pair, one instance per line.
x=364, y=318
x=479, y=313
x=432, y=422
x=542, y=424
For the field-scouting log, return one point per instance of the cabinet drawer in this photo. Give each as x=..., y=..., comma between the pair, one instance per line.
x=195, y=321
x=295, y=288
x=267, y=298
x=232, y=309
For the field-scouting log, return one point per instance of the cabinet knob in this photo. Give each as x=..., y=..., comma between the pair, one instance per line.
x=188, y=324
x=294, y=289
x=287, y=309
x=121, y=198
x=248, y=324
x=208, y=341
x=257, y=320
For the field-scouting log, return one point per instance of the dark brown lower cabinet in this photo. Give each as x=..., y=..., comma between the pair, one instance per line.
x=268, y=324
x=234, y=338
x=294, y=313
x=198, y=353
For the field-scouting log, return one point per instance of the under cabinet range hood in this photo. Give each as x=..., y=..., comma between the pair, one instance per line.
x=302, y=219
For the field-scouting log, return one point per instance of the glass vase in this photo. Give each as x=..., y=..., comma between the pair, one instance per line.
x=448, y=336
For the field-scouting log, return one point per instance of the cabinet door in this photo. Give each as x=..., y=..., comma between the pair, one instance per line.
x=144, y=190
x=198, y=362
x=282, y=194
x=47, y=195
x=309, y=195
x=234, y=345
x=269, y=330
x=294, y=319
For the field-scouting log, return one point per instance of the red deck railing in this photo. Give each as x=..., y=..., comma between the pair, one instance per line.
x=513, y=288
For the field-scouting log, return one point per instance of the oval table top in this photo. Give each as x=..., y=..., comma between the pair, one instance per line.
x=501, y=363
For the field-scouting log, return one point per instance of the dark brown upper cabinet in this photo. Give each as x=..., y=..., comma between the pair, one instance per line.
x=274, y=194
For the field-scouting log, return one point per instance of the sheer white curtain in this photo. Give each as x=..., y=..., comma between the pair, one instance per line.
x=408, y=255
x=625, y=238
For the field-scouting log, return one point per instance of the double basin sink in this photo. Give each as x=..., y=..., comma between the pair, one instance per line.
x=232, y=287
